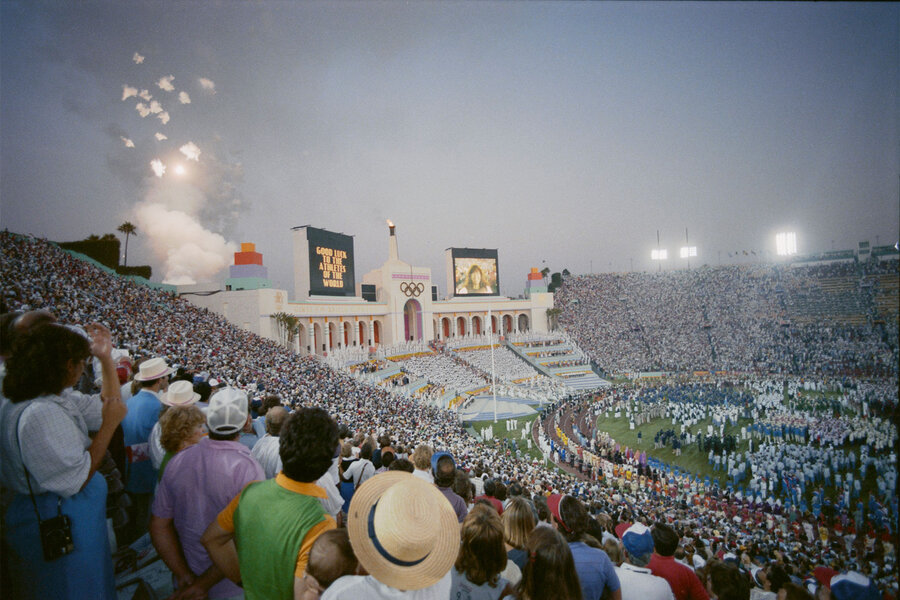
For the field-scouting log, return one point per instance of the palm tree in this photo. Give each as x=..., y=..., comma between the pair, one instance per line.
x=128, y=229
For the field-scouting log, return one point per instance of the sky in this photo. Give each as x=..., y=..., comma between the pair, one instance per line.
x=565, y=135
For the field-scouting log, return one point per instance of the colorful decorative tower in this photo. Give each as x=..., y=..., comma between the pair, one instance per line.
x=535, y=283
x=247, y=272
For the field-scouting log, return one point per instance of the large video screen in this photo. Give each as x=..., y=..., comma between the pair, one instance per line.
x=475, y=272
x=330, y=263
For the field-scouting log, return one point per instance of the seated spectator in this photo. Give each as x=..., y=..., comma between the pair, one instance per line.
x=406, y=537
x=550, y=570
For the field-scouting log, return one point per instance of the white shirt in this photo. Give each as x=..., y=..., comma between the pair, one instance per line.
x=359, y=471
x=265, y=451
x=52, y=439
x=638, y=583
x=425, y=476
x=354, y=587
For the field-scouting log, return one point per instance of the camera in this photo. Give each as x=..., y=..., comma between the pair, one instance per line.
x=56, y=537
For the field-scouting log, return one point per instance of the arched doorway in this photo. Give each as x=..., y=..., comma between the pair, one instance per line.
x=460, y=326
x=362, y=329
x=445, y=325
x=377, y=328
x=493, y=324
x=476, y=325
x=412, y=320
x=523, y=322
x=345, y=328
x=507, y=324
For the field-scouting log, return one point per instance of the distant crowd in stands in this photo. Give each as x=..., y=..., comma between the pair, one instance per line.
x=416, y=519
x=730, y=318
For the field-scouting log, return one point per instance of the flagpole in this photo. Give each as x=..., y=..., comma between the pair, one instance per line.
x=493, y=386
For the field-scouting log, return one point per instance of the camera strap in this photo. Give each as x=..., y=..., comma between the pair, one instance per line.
x=27, y=476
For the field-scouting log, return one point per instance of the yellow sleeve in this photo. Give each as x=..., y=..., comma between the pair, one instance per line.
x=226, y=517
x=303, y=556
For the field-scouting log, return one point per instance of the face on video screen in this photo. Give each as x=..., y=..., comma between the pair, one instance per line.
x=475, y=275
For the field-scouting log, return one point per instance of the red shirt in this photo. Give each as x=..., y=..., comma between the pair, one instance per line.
x=684, y=582
x=494, y=502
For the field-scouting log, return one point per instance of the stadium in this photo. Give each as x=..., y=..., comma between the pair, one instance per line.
x=634, y=335
x=768, y=391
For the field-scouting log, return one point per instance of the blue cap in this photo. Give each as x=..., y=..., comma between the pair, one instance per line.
x=437, y=456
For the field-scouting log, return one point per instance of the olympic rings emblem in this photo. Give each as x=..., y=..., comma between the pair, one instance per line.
x=411, y=289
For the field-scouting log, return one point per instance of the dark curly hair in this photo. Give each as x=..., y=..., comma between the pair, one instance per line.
x=308, y=441
x=40, y=365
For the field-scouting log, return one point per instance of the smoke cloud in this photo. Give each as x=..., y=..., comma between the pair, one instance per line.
x=137, y=58
x=165, y=83
x=158, y=167
x=128, y=142
x=163, y=116
x=155, y=107
x=146, y=95
x=189, y=251
x=160, y=137
x=142, y=109
x=191, y=151
x=207, y=84
x=184, y=98
x=128, y=92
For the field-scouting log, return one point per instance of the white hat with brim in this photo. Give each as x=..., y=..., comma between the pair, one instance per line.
x=154, y=368
x=403, y=531
x=180, y=393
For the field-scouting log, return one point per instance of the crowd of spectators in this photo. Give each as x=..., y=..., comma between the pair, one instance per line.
x=204, y=346
x=731, y=318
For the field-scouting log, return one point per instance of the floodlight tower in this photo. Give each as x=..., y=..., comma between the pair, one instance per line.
x=688, y=251
x=786, y=243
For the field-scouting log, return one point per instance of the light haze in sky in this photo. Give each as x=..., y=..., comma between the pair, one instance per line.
x=563, y=134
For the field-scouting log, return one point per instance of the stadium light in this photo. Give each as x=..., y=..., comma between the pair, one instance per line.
x=786, y=243
x=659, y=254
x=688, y=251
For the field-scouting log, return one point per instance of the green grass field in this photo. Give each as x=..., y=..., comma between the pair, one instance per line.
x=691, y=458
x=500, y=432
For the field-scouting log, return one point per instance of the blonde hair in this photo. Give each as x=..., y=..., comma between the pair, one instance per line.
x=177, y=424
x=518, y=521
x=421, y=458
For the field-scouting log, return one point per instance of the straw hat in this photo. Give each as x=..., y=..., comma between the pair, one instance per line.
x=403, y=531
x=154, y=368
x=180, y=393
